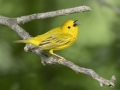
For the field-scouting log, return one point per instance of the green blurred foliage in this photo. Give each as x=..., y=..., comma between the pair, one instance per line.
x=97, y=47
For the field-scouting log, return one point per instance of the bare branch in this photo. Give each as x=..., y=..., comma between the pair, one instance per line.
x=13, y=24
x=24, y=19
x=90, y=72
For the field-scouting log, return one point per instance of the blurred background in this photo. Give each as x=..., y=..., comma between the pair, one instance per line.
x=97, y=46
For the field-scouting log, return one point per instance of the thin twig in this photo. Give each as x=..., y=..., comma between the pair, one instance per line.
x=13, y=24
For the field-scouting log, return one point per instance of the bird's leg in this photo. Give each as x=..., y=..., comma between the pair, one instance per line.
x=61, y=58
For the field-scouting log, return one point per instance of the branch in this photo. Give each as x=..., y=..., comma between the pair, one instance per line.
x=24, y=19
x=89, y=72
x=13, y=24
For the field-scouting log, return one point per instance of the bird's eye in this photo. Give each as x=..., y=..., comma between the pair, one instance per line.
x=69, y=27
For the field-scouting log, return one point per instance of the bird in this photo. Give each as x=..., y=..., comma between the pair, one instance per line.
x=55, y=39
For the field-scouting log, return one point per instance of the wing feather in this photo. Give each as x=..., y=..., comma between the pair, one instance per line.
x=55, y=41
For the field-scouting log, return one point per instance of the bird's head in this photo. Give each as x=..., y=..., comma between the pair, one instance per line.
x=70, y=25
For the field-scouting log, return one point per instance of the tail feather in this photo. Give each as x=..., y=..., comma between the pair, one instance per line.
x=21, y=41
x=28, y=41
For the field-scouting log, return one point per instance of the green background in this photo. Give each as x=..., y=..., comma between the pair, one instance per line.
x=97, y=47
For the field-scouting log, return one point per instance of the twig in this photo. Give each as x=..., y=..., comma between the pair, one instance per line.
x=13, y=24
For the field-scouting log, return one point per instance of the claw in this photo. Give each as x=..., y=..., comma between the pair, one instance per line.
x=60, y=60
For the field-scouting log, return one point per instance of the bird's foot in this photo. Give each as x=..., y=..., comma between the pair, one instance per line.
x=60, y=60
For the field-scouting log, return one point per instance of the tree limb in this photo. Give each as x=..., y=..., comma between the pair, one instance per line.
x=24, y=19
x=13, y=24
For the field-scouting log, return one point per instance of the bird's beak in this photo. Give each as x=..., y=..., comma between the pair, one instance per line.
x=75, y=23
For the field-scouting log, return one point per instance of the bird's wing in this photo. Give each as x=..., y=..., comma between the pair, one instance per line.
x=55, y=41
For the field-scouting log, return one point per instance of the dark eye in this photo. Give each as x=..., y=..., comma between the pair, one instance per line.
x=69, y=27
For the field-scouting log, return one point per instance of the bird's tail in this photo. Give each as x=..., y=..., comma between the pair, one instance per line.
x=21, y=41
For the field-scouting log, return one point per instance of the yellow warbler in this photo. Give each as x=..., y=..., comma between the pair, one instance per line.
x=55, y=39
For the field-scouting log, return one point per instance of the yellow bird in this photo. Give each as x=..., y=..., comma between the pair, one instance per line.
x=55, y=39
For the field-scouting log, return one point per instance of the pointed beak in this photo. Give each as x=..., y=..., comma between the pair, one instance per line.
x=75, y=23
